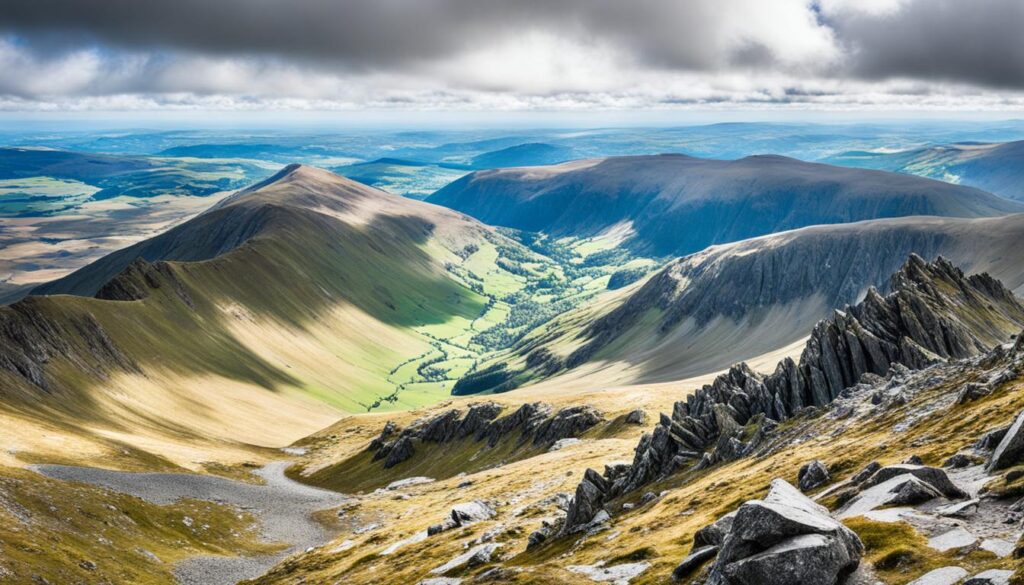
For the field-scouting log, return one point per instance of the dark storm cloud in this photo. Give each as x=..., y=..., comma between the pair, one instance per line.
x=371, y=33
x=976, y=41
x=972, y=41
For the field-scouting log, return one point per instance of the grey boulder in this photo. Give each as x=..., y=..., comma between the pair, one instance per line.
x=911, y=492
x=812, y=475
x=785, y=539
x=470, y=512
x=1010, y=449
x=933, y=476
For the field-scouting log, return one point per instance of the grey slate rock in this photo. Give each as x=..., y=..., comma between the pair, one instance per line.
x=990, y=440
x=785, y=539
x=636, y=417
x=911, y=492
x=401, y=450
x=714, y=533
x=693, y=561
x=590, y=497
x=971, y=392
x=470, y=512
x=1010, y=450
x=867, y=472
x=920, y=322
x=933, y=476
x=957, y=461
x=483, y=422
x=812, y=475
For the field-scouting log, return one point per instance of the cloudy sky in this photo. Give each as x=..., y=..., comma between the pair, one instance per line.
x=512, y=55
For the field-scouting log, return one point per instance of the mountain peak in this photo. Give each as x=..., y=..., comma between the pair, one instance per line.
x=301, y=185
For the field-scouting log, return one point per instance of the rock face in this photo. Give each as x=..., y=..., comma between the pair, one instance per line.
x=1010, y=449
x=534, y=422
x=139, y=279
x=30, y=339
x=784, y=539
x=935, y=312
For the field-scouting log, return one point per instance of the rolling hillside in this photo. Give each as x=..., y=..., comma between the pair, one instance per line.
x=293, y=301
x=676, y=204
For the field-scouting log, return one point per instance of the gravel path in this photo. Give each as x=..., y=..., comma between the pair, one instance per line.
x=283, y=506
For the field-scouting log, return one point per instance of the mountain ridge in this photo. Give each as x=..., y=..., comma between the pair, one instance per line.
x=676, y=204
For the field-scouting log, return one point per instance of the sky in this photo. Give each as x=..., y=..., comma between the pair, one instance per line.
x=478, y=57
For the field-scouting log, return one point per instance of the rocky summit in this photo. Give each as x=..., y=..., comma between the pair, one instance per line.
x=934, y=313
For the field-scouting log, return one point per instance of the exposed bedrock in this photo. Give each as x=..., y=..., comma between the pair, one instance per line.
x=534, y=422
x=934, y=313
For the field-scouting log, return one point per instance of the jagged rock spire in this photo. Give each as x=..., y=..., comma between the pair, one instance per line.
x=934, y=312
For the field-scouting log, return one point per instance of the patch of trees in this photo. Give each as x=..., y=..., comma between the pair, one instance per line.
x=496, y=378
x=625, y=277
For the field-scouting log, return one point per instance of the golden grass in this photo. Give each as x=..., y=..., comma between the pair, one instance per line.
x=74, y=533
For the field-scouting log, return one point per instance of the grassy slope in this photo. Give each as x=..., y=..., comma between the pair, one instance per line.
x=59, y=532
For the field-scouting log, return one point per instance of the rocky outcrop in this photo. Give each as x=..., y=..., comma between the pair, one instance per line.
x=533, y=422
x=140, y=278
x=463, y=514
x=785, y=538
x=636, y=417
x=32, y=336
x=934, y=313
x=591, y=494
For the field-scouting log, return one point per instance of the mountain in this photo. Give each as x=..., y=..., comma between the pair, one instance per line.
x=729, y=303
x=523, y=155
x=676, y=204
x=286, y=304
x=997, y=168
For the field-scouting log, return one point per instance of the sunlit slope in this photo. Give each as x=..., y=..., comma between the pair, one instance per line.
x=730, y=303
x=675, y=204
x=259, y=321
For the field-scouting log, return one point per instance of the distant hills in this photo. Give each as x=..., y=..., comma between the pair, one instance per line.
x=998, y=168
x=524, y=155
x=132, y=176
x=676, y=204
